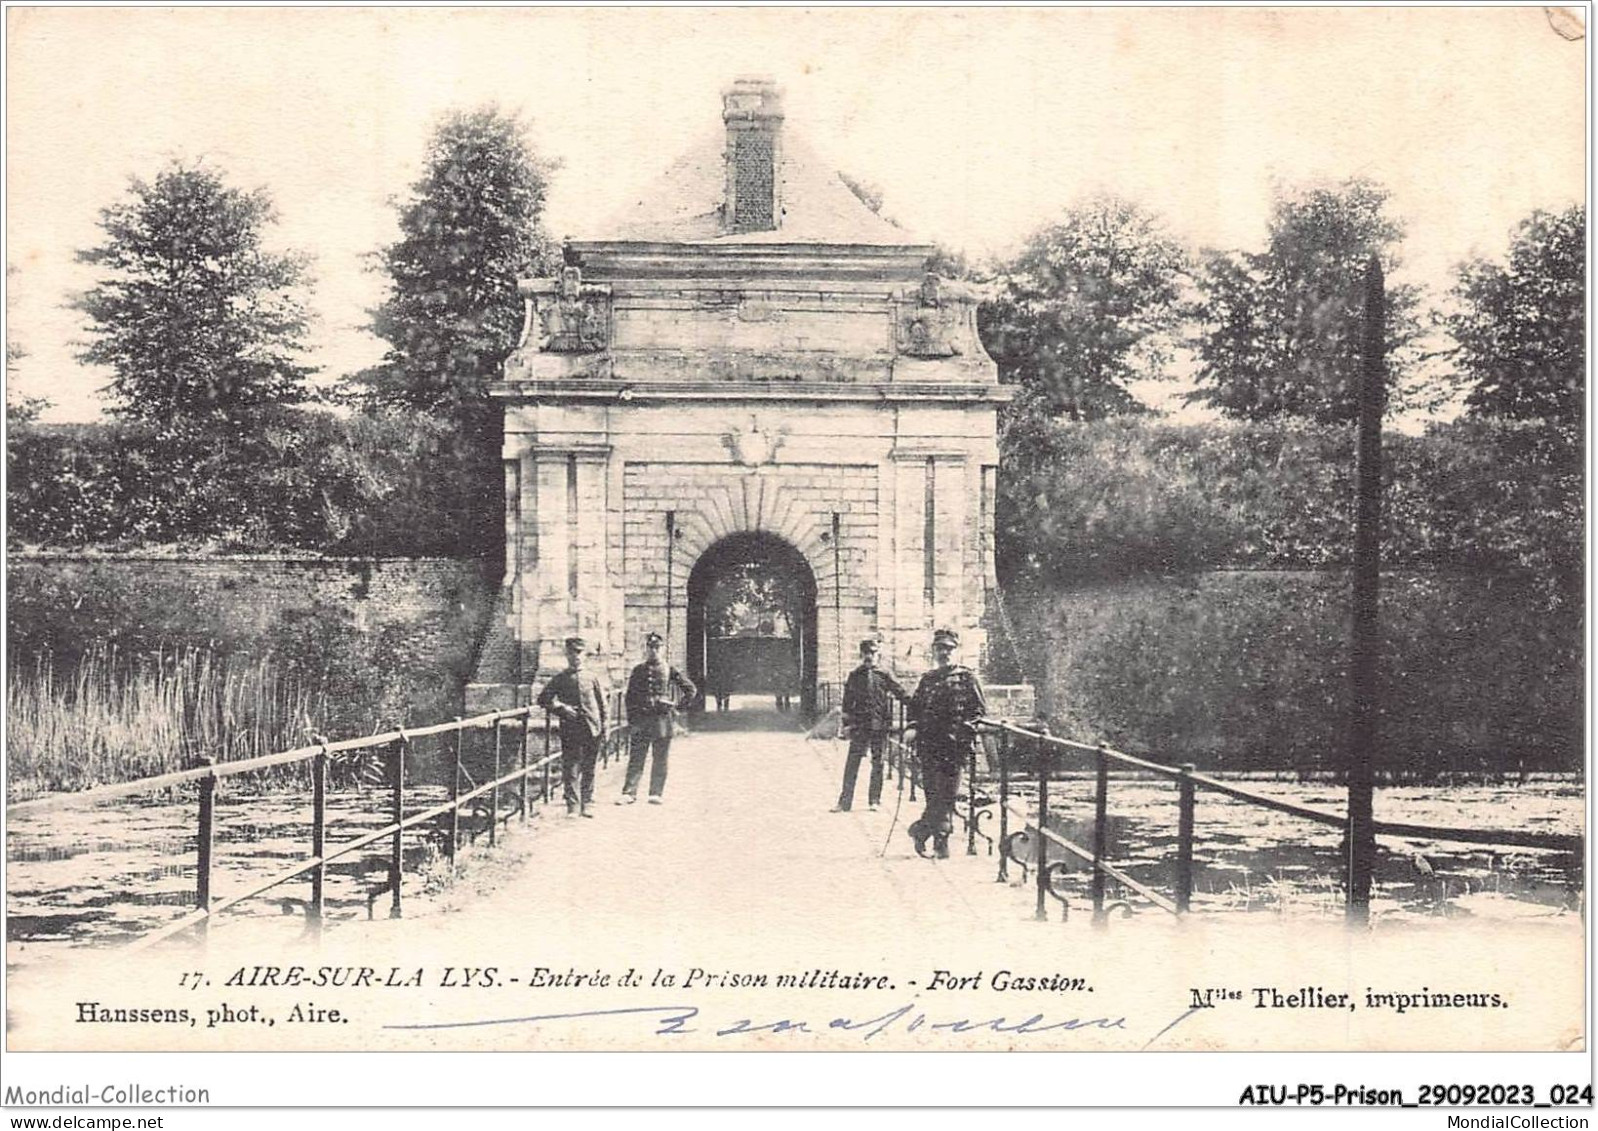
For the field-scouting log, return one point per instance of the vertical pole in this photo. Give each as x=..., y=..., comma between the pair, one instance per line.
x=1362, y=730
x=493, y=794
x=671, y=548
x=318, y=836
x=527, y=724
x=454, y=799
x=396, y=814
x=1042, y=862
x=204, y=843
x=1101, y=800
x=1184, y=839
x=837, y=595
x=1004, y=805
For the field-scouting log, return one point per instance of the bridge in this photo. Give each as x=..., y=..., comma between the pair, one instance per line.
x=742, y=910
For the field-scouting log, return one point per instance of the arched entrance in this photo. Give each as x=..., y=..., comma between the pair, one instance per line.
x=752, y=621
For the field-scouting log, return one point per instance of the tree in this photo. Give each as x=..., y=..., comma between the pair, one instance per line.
x=1278, y=330
x=1521, y=326
x=1086, y=307
x=195, y=318
x=471, y=227
x=750, y=596
x=21, y=409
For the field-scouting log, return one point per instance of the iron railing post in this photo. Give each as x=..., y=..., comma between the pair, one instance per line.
x=1101, y=797
x=454, y=797
x=1041, y=864
x=912, y=758
x=205, y=843
x=318, y=836
x=493, y=794
x=396, y=812
x=545, y=796
x=527, y=725
x=1184, y=839
x=1004, y=806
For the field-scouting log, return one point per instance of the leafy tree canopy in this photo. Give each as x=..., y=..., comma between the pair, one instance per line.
x=1521, y=325
x=750, y=599
x=471, y=226
x=1278, y=330
x=195, y=318
x=1086, y=307
x=21, y=409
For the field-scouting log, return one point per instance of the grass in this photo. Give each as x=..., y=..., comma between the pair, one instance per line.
x=113, y=718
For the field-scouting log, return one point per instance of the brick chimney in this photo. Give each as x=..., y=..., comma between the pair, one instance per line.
x=752, y=110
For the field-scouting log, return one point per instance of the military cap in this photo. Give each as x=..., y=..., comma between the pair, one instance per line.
x=654, y=638
x=576, y=644
x=870, y=644
x=946, y=636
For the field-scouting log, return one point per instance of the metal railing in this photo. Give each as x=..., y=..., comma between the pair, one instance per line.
x=1046, y=749
x=485, y=799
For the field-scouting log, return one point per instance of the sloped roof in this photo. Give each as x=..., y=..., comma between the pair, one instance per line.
x=684, y=204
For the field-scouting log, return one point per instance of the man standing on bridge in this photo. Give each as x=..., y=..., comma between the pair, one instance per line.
x=656, y=691
x=577, y=698
x=868, y=702
x=947, y=702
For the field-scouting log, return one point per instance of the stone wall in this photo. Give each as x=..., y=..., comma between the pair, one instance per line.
x=796, y=503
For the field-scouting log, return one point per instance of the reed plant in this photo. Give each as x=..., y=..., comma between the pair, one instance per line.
x=112, y=717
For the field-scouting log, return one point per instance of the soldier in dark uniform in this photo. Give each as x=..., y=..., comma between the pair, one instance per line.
x=656, y=691
x=868, y=702
x=946, y=703
x=577, y=697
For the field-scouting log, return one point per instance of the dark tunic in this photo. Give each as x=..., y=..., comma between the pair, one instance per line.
x=868, y=700
x=947, y=701
x=585, y=693
x=646, y=687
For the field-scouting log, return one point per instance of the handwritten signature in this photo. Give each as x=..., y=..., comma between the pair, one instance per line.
x=679, y=1020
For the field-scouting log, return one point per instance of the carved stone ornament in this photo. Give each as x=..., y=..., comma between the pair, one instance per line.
x=754, y=446
x=931, y=328
x=568, y=315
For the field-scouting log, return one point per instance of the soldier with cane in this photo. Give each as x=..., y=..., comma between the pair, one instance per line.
x=946, y=704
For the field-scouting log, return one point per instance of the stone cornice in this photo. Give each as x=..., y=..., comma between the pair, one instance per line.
x=606, y=260
x=911, y=451
x=632, y=392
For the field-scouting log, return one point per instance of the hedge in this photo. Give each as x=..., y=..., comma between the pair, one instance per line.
x=293, y=479
x=1133, y=497
x=1248, y=670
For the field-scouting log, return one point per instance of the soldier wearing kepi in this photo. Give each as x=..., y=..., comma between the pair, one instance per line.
x=868, y=702
x=577, y=698
x=947, y=702
x=656, y=691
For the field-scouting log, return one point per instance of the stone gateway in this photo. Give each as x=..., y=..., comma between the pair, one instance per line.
x=752, y=372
